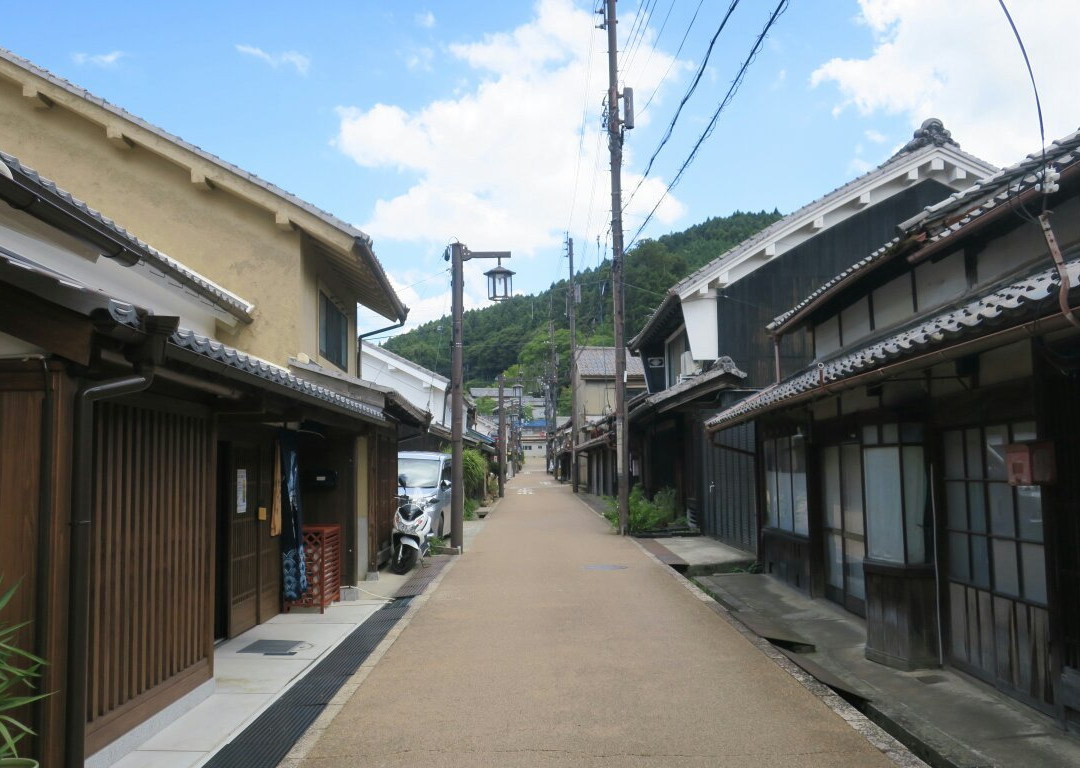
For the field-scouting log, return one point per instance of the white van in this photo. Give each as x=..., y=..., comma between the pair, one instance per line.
x=427, y=483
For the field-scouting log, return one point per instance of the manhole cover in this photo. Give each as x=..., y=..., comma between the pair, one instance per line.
x=602, y=567
x=272, y=647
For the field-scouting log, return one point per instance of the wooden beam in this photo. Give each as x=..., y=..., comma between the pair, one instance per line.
x=115, y=135
x=283, y=222
x=203, y=184
x=37, y=98
x=864, y=200
x=52, y=328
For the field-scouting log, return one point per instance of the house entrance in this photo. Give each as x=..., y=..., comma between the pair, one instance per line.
x=998, y=618
x=249, y=553
x=845, y=525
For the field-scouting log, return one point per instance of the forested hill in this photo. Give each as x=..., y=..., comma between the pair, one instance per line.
x=516, y=332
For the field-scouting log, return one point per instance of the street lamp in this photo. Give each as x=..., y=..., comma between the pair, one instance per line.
x=498, y=289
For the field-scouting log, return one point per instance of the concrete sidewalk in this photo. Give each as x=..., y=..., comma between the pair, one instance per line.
x=553, y=642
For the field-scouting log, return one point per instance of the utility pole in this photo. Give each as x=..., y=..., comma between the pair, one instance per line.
x=572, y=302
x=550, y=400
x=615, y=141
x=502, y=441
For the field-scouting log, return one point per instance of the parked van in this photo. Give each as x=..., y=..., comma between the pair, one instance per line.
x=427, y=483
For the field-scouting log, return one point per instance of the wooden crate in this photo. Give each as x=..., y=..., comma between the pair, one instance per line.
x=322, y=554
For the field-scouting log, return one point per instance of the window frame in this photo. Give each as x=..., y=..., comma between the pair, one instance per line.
x=328, y=305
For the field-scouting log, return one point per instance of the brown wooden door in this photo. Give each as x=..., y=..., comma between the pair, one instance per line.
x=242, y=508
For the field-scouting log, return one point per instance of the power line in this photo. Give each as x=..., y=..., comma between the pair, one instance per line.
x=780, y=8
x=674, y=58
x=686, y=97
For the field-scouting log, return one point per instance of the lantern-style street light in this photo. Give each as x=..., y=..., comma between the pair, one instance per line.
x=499, y=289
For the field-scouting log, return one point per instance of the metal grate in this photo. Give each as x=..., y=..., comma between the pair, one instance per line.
x=271, y=647
x=271, y=736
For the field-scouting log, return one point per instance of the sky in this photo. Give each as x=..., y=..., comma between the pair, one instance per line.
x=428, y=122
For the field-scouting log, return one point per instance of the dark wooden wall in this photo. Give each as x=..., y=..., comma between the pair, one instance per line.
x=34, y=544
x=747, y=306
x=383, y=501
x=332, y=506
x=730, y=486
x=151, y=629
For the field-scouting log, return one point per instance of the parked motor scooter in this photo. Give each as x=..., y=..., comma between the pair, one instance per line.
x=412, y=534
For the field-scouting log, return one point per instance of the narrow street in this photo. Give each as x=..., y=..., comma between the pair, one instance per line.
x=552, y=642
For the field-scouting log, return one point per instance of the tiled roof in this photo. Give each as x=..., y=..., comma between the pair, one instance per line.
x=600, y=361
x=725, y=368
x=909, y=151
x=935, y=221
x=240, y=361
x=151, y=257
x=1001, y=306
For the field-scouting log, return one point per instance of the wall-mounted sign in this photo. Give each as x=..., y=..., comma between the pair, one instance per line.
x=656, y=362
x=241, y=491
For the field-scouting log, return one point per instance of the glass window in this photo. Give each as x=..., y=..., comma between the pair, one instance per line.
x=996, y=438
x=771, y=516
x=884, y=515
x=1029, y=510
x=853, y=567
x=783, y=482
x=1006, y=572
x=980, y=562
x=851, y=456
x=916, y=505
x=801, y=522
x=1033, y=557
x=956, y=501
x=954, y=455
x=959, y=568
x=1002, y=521
x=830, y=458
x=976, y=507
x=834, y=546
x=333, y=333
x=973, y=439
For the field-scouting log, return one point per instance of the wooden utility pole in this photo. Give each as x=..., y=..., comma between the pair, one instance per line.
x=615, y=140
x=457, y=400
x=572, y=309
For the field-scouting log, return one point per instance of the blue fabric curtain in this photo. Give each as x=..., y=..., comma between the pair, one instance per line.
x=294, y=581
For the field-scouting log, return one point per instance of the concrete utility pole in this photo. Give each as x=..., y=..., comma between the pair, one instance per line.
x=615, y=141
x=572, y=309
x=502, y=441
x=550, y=400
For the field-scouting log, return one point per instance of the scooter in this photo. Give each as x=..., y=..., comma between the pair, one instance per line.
x=412, y=534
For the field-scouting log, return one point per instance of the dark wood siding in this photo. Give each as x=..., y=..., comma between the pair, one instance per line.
x=745, y=307
x=33, y=517
x=151, y=564
x=730, y=490
x=383, y=496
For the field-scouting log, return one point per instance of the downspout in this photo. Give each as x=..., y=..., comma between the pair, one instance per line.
x=360, y=338
x=1059, y=263
x=148, y=355
x=776, y=356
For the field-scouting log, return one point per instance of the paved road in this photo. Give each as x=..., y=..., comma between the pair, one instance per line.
x=534, y=651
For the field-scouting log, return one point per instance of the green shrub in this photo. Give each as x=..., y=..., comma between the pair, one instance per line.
x=474, y=473
x=644, y=515
x=18, y=671
x=471, y=505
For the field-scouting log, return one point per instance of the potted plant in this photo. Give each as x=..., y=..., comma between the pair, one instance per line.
x=18, y=670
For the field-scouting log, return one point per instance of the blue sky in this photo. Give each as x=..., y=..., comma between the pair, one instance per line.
x=421, y=122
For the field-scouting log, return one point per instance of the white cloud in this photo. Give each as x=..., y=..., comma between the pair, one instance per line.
x=420, y=60
x=425, y=19
x=105, y=60
x=499, y=158
x=875, y=137
x=286, y=58
x=959, y=61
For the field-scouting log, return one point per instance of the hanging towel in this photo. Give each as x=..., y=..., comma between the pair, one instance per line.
x=294, y=581
x=275, y=500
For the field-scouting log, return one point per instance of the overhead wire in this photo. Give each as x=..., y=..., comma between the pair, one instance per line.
x=674, y=58
x=780, y=8
x=682, y=103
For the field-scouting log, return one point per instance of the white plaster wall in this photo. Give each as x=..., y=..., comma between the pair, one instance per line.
x=938, y=283
x=893, y=302
x=699, y=314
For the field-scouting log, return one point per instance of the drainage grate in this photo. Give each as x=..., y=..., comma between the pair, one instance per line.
x=271, y=647
x=268, y=739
